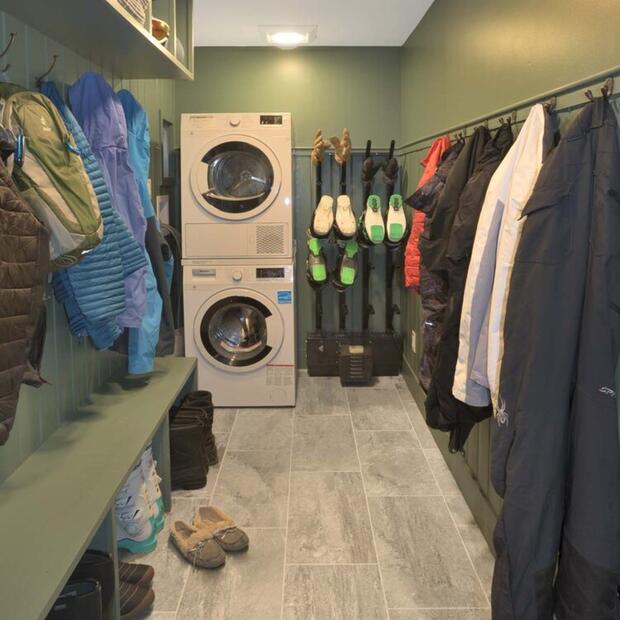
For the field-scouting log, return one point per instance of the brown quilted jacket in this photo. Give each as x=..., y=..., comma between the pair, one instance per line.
x=24, y=260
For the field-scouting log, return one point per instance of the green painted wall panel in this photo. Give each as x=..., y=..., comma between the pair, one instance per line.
x=70, y=365
x=325, y=87
x=469, y=58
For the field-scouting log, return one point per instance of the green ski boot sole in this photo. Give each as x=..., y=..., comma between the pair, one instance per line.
x=318, y=273
x=347, y=276
x=377, y=233
x=314, y=245
x=396, y=232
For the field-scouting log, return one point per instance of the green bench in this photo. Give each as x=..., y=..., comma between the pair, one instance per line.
x=60, y=501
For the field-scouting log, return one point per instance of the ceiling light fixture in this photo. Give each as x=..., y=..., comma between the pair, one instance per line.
x=288, y=37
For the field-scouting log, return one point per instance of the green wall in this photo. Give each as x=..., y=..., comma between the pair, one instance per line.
x=328, y=88
x=70, y=365
x=469, y=58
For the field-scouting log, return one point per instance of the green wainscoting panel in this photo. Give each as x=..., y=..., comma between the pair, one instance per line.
x=71, y=366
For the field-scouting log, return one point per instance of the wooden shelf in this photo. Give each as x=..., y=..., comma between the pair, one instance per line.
x=53, y=504
x=104, y=32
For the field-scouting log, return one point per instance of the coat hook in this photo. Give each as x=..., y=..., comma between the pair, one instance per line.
x=608, y=87
x=514, y=116
x=51, y=68
x=12, y=38
x=589, y=95
x=550, y=104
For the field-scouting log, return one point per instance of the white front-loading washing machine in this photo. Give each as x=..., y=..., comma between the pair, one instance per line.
x=236, y=186
x=240, y=325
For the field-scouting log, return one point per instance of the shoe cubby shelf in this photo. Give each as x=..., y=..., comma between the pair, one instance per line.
x=60, y=501
x=105, y=33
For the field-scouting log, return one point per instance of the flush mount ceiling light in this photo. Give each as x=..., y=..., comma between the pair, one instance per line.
x=288, y=37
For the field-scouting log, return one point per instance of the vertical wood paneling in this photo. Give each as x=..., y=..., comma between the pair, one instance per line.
x=70, y=365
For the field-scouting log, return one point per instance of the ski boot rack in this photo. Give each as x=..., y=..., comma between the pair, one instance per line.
x=356, y=356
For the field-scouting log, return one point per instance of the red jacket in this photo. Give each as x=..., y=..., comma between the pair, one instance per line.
x=412, y=253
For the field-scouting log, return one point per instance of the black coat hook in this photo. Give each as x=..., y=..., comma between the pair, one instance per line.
x=51, y=68
x=551, y=104
x=589, y=95
x=12, y=38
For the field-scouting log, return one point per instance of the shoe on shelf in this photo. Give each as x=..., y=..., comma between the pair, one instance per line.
x=396, y=219
x=226, y=533
x=198, y=547
x=135, y=530
x=346, y=273
x=345, y=224
x=80, y=599
x=135, y=600
x=316, y=266
x=372, y=225
x=98, y=565
x=138, y=574
x=323, y=218
x=188, y=454
x=153, y=492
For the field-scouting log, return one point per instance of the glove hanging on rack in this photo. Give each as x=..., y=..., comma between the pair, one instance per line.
x=342, y=146
x=319, y=146
x=390, y=171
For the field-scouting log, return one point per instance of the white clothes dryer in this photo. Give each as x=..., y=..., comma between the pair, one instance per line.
x=240, y=325
x=236, y=186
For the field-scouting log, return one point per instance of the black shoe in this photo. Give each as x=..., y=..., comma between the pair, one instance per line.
x=99, y=566
x=192, y=416
x=138, y=574
x=187, y=456
x=135, y=600
x=78, y=601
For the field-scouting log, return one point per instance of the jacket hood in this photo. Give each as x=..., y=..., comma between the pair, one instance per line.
x=135, y=115
x=99, y=112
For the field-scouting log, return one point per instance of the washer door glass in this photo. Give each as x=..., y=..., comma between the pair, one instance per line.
x=234, y=331
x=239, y=177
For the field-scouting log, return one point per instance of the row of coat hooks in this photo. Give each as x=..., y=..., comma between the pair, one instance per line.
x=12, y=38
x=607, y=90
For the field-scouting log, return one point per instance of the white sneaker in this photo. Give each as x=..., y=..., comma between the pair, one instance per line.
x=374, y=227
x=396, y=220
x=134, y=529
x=345, y=218
x=323, y=218
x=153, y=492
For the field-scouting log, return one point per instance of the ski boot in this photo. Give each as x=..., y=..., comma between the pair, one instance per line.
x=371, y=225
x=396, y=222
x=346, y=273
x=316, y=265
x=345, y=224
x=323, y=218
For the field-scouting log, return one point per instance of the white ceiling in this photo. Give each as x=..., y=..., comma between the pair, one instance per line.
x=340, y=22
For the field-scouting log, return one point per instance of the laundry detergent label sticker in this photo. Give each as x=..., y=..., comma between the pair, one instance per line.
x=285, y=297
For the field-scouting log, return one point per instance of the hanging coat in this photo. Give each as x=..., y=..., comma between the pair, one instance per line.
x=24, y=263
x=497, y=236
x=431, y=291
x=432, y=244
x=92, y=291
x=555, y=450
x=443, y=411
x=431, y=161
x=100, y=114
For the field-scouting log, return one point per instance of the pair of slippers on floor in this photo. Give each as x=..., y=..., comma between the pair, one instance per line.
x=211, y=533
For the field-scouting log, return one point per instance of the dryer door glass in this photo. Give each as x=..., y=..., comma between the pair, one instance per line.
x=234, y=331
x=239, y=177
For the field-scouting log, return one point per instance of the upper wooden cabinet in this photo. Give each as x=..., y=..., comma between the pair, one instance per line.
x=106, y=33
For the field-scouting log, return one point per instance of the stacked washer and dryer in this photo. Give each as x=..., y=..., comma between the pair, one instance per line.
x=238, y=253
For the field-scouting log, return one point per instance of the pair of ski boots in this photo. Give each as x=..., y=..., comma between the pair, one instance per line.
x=376, y=227
x=344, y=225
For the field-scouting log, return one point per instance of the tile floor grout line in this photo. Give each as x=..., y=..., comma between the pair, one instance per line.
x=288, y=506
x=221, y=463
x=331, y=563
x=445, y=501
x=372, y=527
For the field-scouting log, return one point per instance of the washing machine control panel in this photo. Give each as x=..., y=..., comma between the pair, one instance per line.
x=270, y=273
x=237, y=275
x=271, y=119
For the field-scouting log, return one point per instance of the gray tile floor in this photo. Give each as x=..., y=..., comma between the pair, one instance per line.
x=351, y=511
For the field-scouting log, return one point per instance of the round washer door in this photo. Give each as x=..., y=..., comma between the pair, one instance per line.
x=236, y=178
x=238, y=330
